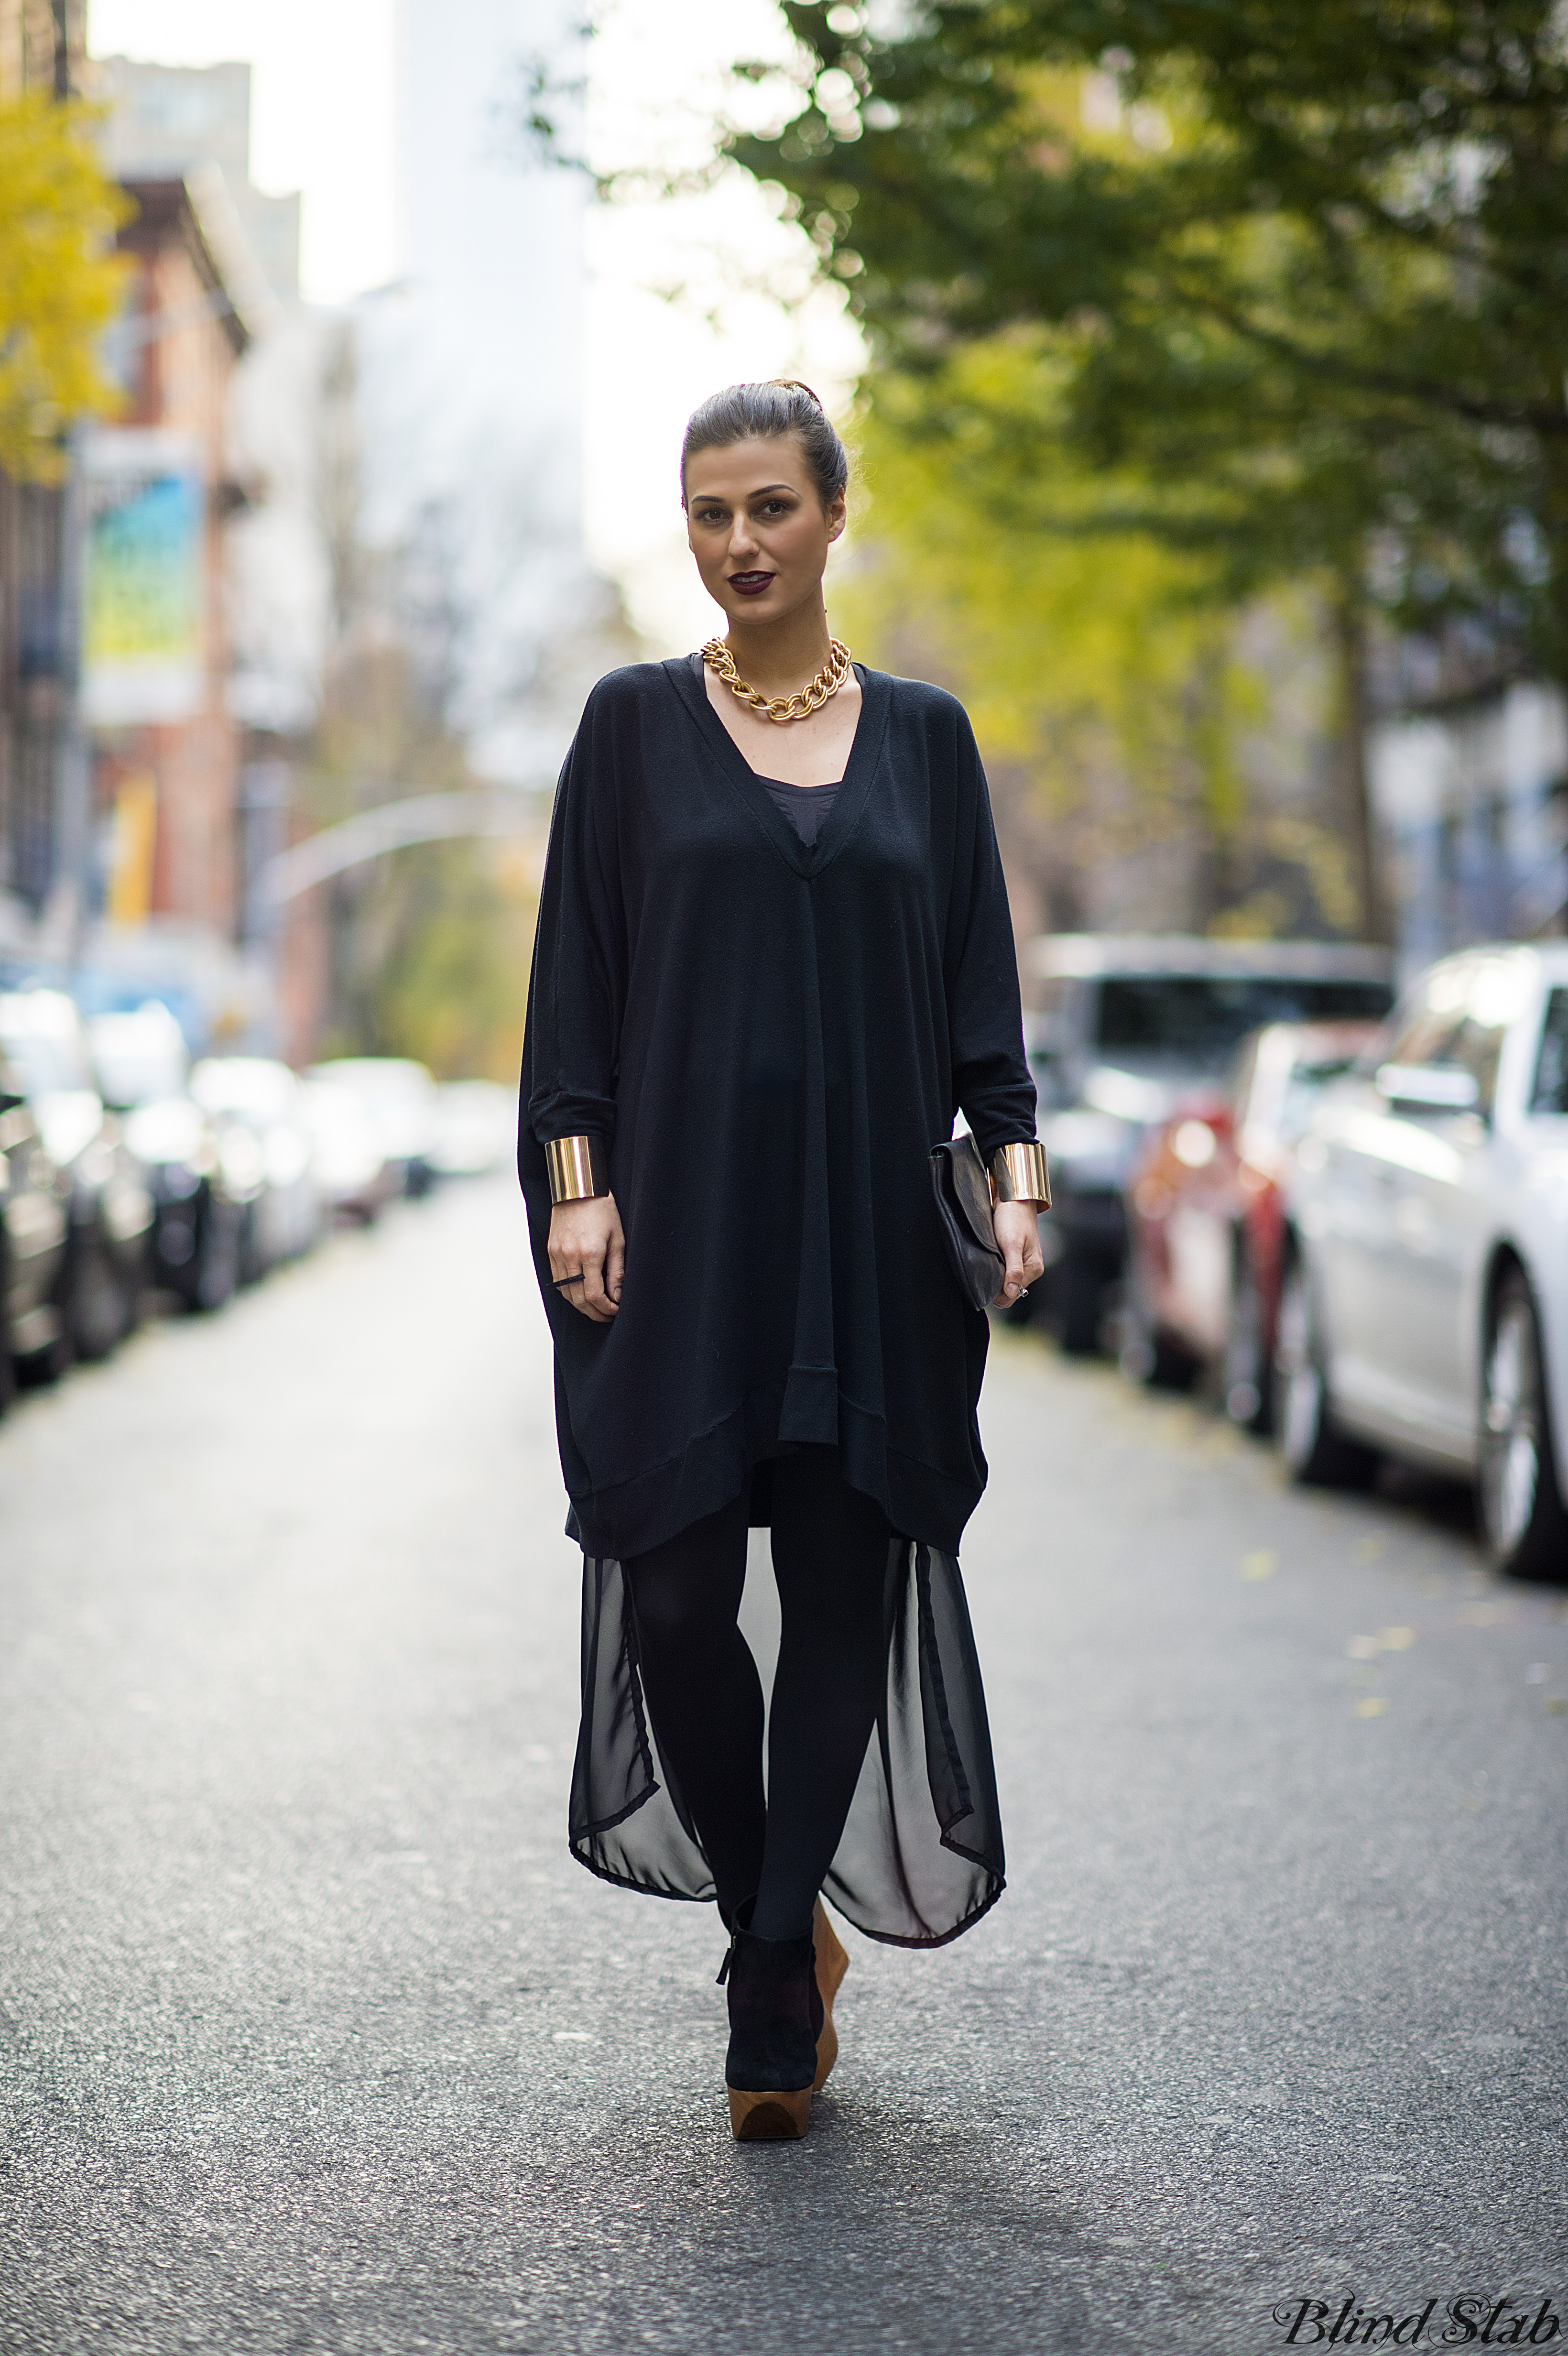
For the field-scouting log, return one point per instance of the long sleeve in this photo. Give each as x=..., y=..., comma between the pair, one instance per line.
x=578, y=988
x=991, y=1077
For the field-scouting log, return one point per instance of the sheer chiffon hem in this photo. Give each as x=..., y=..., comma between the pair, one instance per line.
x=920, y=1859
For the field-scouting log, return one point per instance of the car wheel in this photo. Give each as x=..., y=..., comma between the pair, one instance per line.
x=218, y=1257
x=1315, y=1450
x=97, y=1307
x=1521, y=1504
x=1151, y=1357
x=1076, y=1289
x=48, y=1364
x=7, y=1357
x=1247, y=1377
x=250, y=1265
x=137, y=1274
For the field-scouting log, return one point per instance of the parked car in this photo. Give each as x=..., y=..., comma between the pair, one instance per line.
x=349, y=1168
x=402, y=1099
x=1424, y=1307
x=476, y=1129
x=1205, y=1209
x=1120, y=1030
x=99, y=1287
x=283, y=1218
x=34, y=1225
x=202, y=1177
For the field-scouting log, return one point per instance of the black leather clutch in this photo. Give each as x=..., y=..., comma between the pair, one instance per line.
x=963, y=1206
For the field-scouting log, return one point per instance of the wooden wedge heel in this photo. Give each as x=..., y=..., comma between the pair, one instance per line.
x=832, y=1963
x=769, y=2118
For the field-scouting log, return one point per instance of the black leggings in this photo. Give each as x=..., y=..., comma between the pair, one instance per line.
x=830, y=1553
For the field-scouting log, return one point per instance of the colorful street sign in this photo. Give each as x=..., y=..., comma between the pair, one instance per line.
x=142, y=655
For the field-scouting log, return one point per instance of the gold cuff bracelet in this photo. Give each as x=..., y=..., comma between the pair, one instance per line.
x=1018, y=1174
x=578, y=1169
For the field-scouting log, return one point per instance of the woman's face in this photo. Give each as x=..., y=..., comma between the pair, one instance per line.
x=756, y=526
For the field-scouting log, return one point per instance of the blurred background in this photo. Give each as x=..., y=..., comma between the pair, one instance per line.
x=1207, y=398
x=1203, y=366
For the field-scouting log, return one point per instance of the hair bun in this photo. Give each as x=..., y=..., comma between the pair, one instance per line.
x=793, y=384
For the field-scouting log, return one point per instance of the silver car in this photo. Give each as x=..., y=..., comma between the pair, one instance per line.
x=1424, y=1309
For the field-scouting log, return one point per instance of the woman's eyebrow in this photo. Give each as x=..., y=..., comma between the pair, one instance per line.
x=716, y=499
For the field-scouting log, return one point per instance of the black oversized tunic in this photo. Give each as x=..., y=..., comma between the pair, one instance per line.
x=770, y=1037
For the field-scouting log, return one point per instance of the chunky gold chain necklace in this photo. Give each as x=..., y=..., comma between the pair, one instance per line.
x=799, y=706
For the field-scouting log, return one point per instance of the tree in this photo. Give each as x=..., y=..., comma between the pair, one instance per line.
x=429, y=945
x=1129, y=711
x=1291, y=273
x=60, y=283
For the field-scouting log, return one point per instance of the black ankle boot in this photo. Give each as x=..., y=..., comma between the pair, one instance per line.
x=775, y=2014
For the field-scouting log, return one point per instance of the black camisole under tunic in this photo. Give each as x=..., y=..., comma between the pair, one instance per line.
x=769, y=1033
x=806, y=807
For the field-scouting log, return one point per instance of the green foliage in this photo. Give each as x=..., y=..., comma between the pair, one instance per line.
x=449, y=930
x=1104, y=671
x=1298, y=266
x=432, y=944
x=60, y=283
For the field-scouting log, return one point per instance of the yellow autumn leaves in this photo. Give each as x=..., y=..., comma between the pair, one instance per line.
x=60, y=280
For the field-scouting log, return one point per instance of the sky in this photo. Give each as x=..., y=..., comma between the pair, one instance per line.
x=322, y=111
x=682, y=294
x=685, y=295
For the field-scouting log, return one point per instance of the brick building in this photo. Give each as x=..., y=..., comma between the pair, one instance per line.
x=41, y=47
x=156, y=657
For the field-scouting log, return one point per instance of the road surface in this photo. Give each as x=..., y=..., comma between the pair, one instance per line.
x=313, y=2038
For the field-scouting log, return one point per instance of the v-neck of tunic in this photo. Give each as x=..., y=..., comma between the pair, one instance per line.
x=685, y=675
x=808, y=808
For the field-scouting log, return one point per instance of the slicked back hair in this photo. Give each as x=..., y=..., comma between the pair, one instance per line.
x=756, y=412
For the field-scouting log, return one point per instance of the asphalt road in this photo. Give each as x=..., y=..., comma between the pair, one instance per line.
x=314, y=2038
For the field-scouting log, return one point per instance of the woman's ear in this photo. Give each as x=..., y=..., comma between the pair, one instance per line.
x=837, y=515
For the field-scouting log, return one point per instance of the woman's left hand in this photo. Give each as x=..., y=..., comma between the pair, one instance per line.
x=1017, y=1228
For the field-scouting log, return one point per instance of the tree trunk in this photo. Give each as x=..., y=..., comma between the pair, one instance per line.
x=1351, y=780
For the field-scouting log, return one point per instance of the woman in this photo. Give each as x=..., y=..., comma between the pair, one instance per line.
x=773, y=958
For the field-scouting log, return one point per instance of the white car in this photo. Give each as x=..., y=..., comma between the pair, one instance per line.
x=267, y=1099
x=349, y=1168
x=1425, y=1310
x=478, y=1128
x=402, y=1099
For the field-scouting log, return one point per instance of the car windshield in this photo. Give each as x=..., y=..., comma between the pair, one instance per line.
x=1198, y=1019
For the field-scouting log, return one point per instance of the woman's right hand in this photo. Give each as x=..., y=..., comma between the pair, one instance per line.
x=586, y=1244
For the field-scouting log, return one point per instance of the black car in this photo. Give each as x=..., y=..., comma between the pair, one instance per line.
x=99, y=1288
x=202, y=1175
x=34, y=1228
